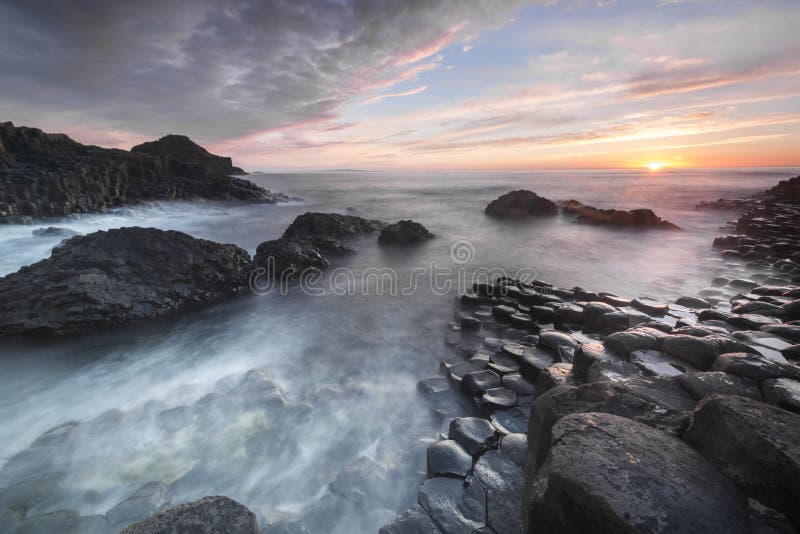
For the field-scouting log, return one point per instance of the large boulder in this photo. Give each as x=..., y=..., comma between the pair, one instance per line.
x=756, y=444
x=701, y=352
x=519, y=204
x=118, y=276
x=639, y=219
x=209, y=515
x=404, y=233
x=332, y=225
x=605, y=473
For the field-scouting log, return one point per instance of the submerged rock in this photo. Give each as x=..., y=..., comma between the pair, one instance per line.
x=519, y=204
x=116, y=277
x=404, y=233
x=55, y=231
x=640, y=219
x=332, y=225
x=151, y=498
x=209, y=515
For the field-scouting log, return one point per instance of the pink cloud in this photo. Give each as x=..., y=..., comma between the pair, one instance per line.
x=429, y=48
x=378, y=98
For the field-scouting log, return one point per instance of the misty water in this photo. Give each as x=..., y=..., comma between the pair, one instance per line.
x=330, y=426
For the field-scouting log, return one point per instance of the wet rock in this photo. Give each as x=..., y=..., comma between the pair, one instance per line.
x=554, y=340
x=55, y=436
x=782, y=392
x=543, y=314
x=415, y=520
x=639, y=338
x=613, y=371
x=659, y=363
x=448, y=458
x=788, y=332
x=533, y=361
x=503, y=364
x=765, y=520
x=61, y=521
x=474, y=434
x=650, y=307
x=519, y=204
x=331, y=225
x=517, y=384
x=791, y=352
x=503, y=481
x=477, y=382
x=151, y=498
x=209, y=515
x=404, y=233
x=25, y=494
x=755, y=444
x=553, y=376
x=55, y=231
x=639, y=219
x=693, y=302
x=175, y=419
x=589, y=353
x=701, y=352
x=470, y=324
x=434, y=385
x=284, y=259
x=119, y=276
x=459, y=370
x=515, y=446
x=759, y=308
x=658, y=402
x=499, y=398
x=754, y=366
x=363, y=476
x=453, y=505
x=668, y=487
x=698, y=385
x=513, y=421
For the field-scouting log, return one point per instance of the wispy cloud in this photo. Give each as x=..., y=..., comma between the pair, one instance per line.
x=378, y=98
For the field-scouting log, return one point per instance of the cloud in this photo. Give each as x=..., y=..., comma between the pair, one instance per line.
x=220, y=69
x=378, y=98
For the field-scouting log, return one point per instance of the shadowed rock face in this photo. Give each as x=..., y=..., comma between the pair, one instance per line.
x=180, y=150
x=639, y=218
x=404, y=233
x=205, y=516
x=520, y=204
x=116, y=277
x=45, y=174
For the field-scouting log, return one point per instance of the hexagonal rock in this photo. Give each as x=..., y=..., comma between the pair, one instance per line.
x=453, y=504
x=208, y=515
x=151, y=498
x=448, y=458
x=611, y=371
x=415, y=520
x=782, y=392
x=553, y=339
x=534, y=360
x=515, y=446
x=660, y=363
x=499, y=399
x=503, y=364
x=649, y=306
x=658, y=401
x=513, y=421
x=554, y=375
x=477, y=382
x=609, y=474
x=756, y=444
x=503, y=481
x=639, y=338
x=754, y=366
x=701, y=351
x=517, y=384
x=698, y=385
x=475, y=434
x=589, y=353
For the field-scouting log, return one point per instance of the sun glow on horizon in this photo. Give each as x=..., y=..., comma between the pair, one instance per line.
x=656, y=165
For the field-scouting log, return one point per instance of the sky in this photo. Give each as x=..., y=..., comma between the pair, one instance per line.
x=418, y=84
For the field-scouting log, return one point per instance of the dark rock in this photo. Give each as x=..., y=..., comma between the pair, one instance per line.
x=764, y=520
x=791, y=352
x=283, y=259
x=754, y=366
x=756, y=444
x=613, y=371
x=415, y=520
x=116, y=277
x=639, y=338
x=553, y=376
x=473, y=433
x=522, y=203
x=209, y=515
x=650, y=307
x=517, y=384
x=782, y=392
x=534, y=360
x=588, y=354
x=639, y=219
x=404, y=233
x=433, y=385
x=693, y=302
x=499, y=398
x=513, y=421
x=667, y=486
x=44, y=175
x=55, y=231
x=503, y=481
x=555, y=340
x=659, y=402
x=698, y=385
x=453, y=504
x=448, y=458
x=331, y=225
x=701, y=352
x=515, y=446
x=151, y=498
x=789, y=332
x=660, y=363
x=470, y=324
x=477, y=382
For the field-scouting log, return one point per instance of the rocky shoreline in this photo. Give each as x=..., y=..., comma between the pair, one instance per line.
x=589, y=411
x=46, y=175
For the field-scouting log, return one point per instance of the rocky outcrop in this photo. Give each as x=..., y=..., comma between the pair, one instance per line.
x=179, y=152
x=404, y=233
x=209, y=515
x=116, y=277
x=44, y=175
x=309, y=242
x=640, y=219
x=520, y=204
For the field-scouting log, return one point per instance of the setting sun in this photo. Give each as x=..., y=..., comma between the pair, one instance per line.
x=656, y=165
